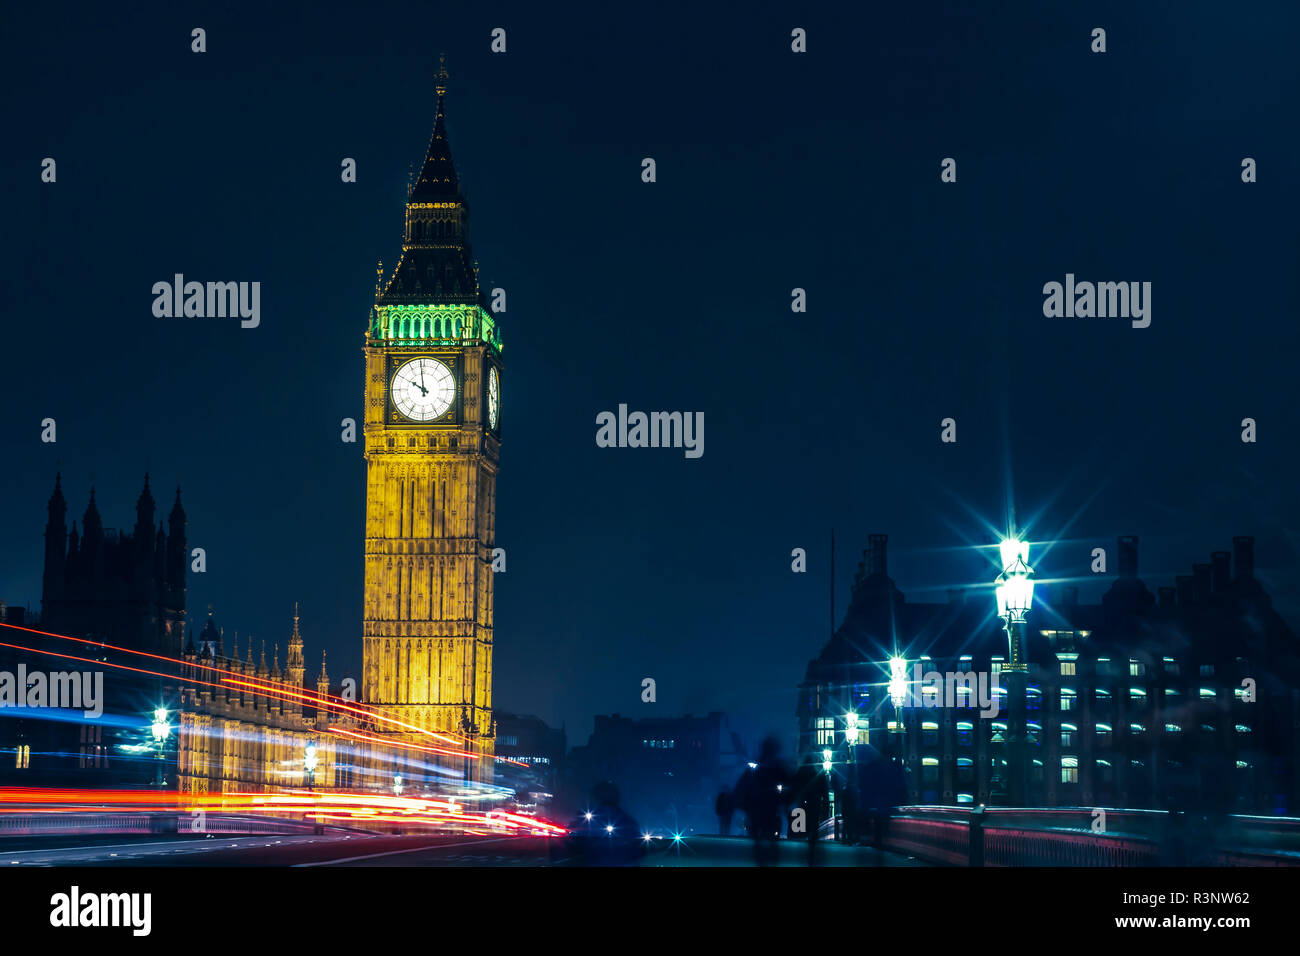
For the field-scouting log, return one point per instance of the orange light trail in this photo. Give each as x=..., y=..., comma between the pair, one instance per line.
x=398, y=743
x=265, y=688
x=355, y=808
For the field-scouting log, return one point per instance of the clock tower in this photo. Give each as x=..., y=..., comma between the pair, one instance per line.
x=432, y=447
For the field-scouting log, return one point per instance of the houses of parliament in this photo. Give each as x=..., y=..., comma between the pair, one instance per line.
x=432, y=439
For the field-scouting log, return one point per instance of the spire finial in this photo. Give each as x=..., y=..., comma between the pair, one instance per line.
x=295, y=615
x=441, y=86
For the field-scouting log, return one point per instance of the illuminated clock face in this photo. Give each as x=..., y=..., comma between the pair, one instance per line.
x=423, y=389
x=494, y=398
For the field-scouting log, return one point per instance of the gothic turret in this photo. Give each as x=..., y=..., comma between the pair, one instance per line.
x=323, y=680
x=92, y=550
x=176, y=555
x=56, y=537
x=144, y=509
x=295, y=663
x=209, y=640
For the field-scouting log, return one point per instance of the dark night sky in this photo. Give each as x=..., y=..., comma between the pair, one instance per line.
x=775, y=170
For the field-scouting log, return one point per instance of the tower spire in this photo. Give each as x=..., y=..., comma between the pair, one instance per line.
x=295, y=667
x=437, y=181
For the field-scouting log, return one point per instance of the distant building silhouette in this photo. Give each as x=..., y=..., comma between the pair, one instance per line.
x=669, y=769
x=124, y=587
x=529, y=754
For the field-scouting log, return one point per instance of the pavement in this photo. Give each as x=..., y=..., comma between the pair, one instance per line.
x=359, y=849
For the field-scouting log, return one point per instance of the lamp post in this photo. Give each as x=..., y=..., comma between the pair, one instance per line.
x=898, y=696
x=162, y=728
x=851, y=728
x=1014, y=589
x=309, y=764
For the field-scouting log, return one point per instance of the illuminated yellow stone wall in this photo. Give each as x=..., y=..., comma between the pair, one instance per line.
x=232, y=746
x=429, y=534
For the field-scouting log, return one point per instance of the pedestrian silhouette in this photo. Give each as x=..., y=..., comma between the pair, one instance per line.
x=811, y=793
x=724, y=807
x=763, y=793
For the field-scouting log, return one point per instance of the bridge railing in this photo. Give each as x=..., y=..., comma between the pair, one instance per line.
x=1087, y=836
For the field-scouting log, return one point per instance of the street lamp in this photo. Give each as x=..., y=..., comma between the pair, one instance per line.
x=898, y=682
x=162, y=728
x=309, y=763
x=1014, y=589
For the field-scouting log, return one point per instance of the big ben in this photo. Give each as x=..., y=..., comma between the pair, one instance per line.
x=432, y=448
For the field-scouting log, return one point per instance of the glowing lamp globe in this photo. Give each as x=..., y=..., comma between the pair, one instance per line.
x=1014, y=587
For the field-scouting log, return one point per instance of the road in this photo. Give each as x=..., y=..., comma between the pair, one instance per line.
x=403, y=851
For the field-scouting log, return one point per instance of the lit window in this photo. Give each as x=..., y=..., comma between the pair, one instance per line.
x=929, y=769
x=1173, y=729
x=1207, y=692
x=1069, y=770
x=1068, y=668
x=1137, y=728
x=1067, y=698
x=825, y=731
x=1243, y=729
x=24, y=757
x=1136, y=669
